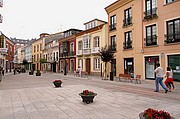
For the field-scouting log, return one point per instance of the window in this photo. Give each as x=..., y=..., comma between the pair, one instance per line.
x=72, y=49
x=112, y=22
x=113, y=43
x=86, y=42
x=169, y=1
x=128, y=40
x=127, y=17
x=34, y=58
x=150, y=7
x=37, y=48
x=96, y=41
x=56, y=56
x=1, y=41
x=96, y=63
x=7, y=47
x=173, y=31
x=80, y=45
x=151, y=37
x=37, y=57
x=34, y=49
x=40, y=47
x=10, y=50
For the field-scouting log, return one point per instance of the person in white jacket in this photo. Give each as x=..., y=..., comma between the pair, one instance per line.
x=159, y=78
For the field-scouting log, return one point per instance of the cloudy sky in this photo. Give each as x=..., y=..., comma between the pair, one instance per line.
x=26, y=19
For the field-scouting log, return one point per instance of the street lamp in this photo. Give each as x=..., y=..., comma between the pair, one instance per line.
x=65, y=54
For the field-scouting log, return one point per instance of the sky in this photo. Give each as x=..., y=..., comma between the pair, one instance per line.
x=27, y=19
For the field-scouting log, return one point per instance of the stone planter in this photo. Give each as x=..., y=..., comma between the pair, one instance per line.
x=57, y=84
x=31, y=73
x=87, y=98
x=142, y=117
x=38, y=74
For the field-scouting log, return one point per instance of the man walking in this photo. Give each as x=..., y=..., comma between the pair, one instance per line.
x=159, y=78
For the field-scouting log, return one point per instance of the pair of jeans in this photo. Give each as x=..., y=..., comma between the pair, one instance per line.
x=159, y=80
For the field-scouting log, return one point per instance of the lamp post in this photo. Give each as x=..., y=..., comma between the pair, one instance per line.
x=65, y=54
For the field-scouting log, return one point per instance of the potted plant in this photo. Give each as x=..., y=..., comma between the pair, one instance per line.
x=87, y=96
x=155, y=114
x=31, y=72
x=38, y=73
x=57, y=83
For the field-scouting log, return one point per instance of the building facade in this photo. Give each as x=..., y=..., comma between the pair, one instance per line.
x=146, y=32
x=67, y=51
x=88, y=44
x=37, y=47
x=51, y=52
x=6, y=53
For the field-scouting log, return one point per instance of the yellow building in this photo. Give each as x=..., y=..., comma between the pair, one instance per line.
x=88, y=44
x=37, y=47
x=146, y=32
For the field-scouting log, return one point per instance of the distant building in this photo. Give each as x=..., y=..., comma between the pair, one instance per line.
x=6, y=53
x=88, y=44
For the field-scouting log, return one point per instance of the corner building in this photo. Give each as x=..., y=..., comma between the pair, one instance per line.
x=145, y=32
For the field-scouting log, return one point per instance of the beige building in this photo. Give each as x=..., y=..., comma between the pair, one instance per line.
x=146, y=32
x=37, y=46
x=88, y=44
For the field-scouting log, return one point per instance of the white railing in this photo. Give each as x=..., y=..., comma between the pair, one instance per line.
x=87, y=51
x=79, y=52
x=95, y=50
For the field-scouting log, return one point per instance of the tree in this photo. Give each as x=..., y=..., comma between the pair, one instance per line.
x=106, y=56
x=43, y=60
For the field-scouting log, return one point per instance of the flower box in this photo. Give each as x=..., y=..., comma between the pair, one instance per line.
x=87, y=96
x=155, y=114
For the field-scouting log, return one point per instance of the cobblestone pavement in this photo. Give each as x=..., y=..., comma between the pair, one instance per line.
x=23, y=96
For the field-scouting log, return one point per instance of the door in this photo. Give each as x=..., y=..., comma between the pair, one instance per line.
x=150, y=65
x=129, y=66
x=72, y=65
x=88, y=65
x=113, y=67
x=54, y=67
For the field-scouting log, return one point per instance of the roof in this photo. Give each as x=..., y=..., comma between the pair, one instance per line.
x=53, y=37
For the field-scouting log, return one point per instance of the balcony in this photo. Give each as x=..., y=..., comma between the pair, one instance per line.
x=79, y=52
x=95, y=50
x=150, y=14
x=127, y=22
x=71, y=53
x=173, y=38
x=86, y=51
x=112, y=27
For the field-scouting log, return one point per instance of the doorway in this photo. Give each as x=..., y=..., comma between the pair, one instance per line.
x=128, y=66
x=88, y=65
x=150, y=65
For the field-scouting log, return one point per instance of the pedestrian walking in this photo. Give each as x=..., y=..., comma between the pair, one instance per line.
x=169, y=80
x=79, y=70
x=159, y=78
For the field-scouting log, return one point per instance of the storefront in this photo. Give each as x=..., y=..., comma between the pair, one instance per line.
x=174, y=63
x=150, y=65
